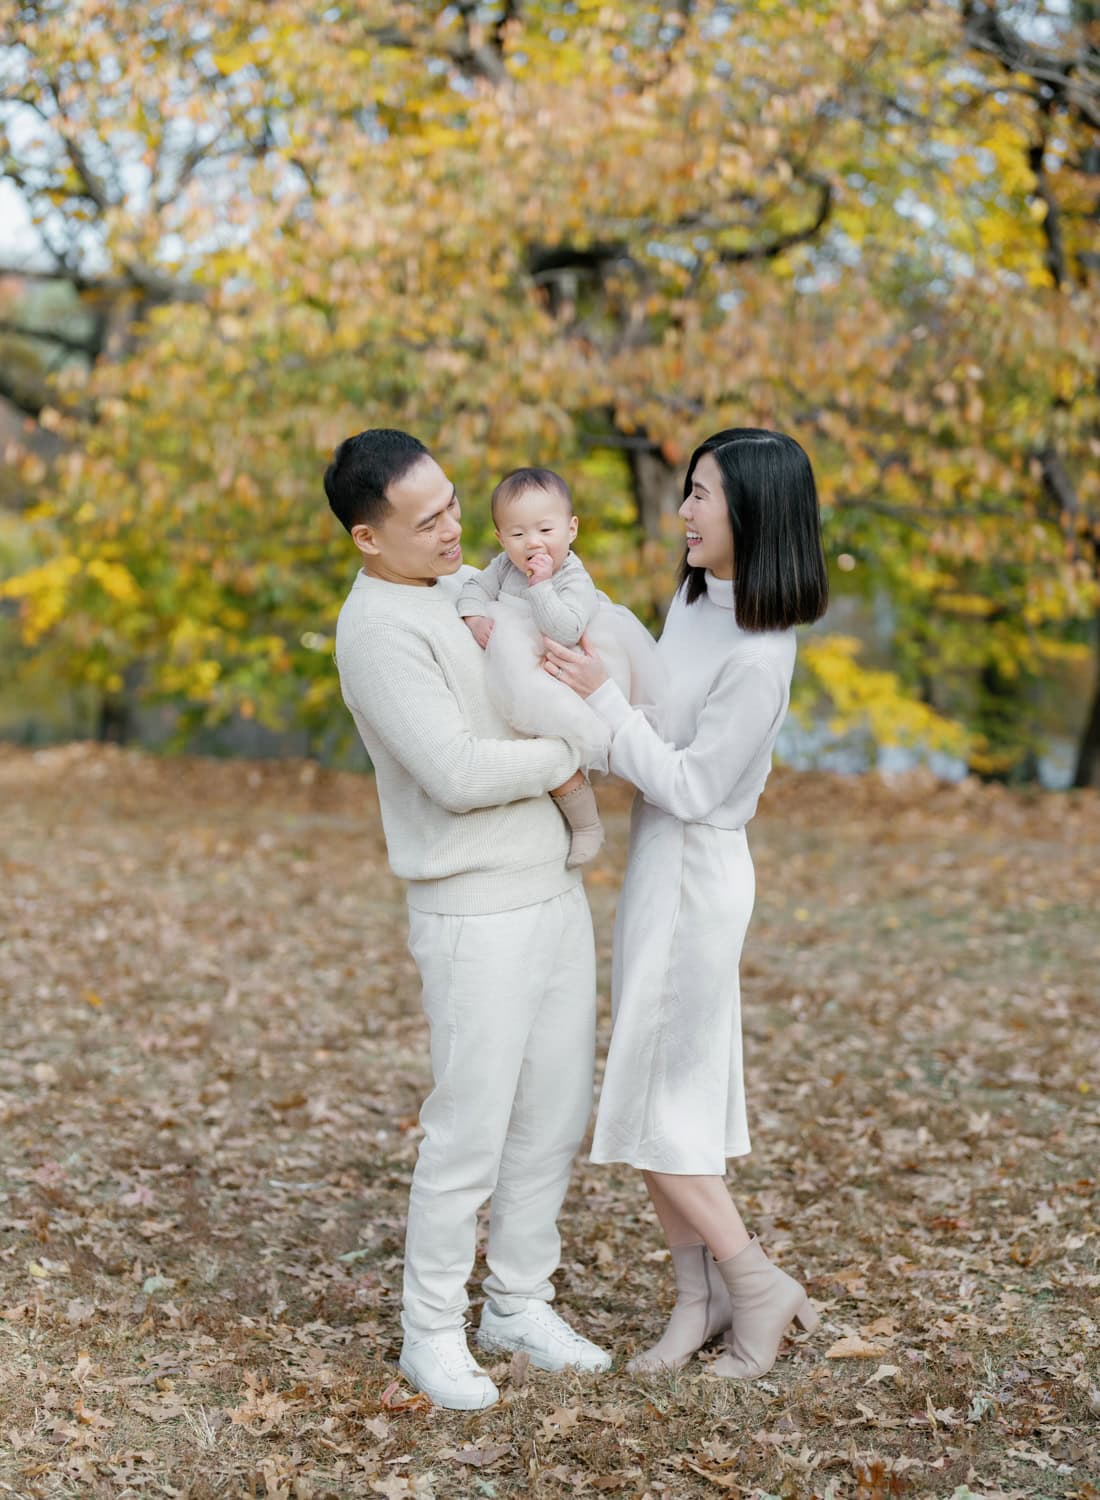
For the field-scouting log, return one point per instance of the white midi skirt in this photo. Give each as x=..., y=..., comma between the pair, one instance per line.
x=673, y=1097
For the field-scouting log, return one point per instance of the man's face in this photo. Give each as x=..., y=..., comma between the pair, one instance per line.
x=419, y=540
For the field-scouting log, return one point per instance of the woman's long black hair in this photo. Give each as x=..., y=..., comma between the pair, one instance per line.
x=779, y=573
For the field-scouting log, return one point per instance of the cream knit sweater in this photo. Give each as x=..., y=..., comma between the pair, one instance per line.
x=562, y=605
x=704, y=750
x=464, y=809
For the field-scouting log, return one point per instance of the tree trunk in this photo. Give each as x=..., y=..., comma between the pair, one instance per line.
x=1088, y=753
x=1000, y=711
x=657, y=491
x=114, y=723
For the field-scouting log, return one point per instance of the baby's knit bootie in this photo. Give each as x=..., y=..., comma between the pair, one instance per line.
x=579, y=810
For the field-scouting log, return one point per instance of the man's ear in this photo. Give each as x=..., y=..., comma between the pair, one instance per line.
x=364, y=538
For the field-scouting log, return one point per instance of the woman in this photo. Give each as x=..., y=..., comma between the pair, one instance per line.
x=673, y=1098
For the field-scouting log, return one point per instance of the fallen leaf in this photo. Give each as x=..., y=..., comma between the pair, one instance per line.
x=157, y=1411
x=396, y=1398
x=480, y=1458
x=724, y=1481
x=292, y=1101
x=90, y=1417
x=563, y=1419
x=394, y=1487
x=517, y=1371
x=854, y=1347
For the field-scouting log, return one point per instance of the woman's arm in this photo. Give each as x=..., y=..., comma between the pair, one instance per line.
x=741, y=709
x=740, y=712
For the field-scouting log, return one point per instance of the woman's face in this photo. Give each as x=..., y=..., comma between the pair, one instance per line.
x=707, y=519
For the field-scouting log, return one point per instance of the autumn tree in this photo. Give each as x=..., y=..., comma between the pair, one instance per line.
x=579, y=233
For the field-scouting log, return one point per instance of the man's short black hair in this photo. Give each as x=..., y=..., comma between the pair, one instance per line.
x=363, y=468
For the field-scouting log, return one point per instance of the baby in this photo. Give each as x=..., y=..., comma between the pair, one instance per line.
x=536, y=586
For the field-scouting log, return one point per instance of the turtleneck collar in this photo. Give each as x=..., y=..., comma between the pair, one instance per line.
x=719, y=590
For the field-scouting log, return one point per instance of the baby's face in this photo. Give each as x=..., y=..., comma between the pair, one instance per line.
x=536, y=521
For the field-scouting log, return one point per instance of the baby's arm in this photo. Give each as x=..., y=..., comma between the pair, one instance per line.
x=564, y=605
x=479, y=590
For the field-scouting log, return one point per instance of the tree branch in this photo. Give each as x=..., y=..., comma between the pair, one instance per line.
x=771, y=248
x=1069, y=78
x=1052, y=227
x=51, y=336
x=93, y=186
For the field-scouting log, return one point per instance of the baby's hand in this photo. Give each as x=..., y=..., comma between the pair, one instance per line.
x=540, y=567
x=481, y=628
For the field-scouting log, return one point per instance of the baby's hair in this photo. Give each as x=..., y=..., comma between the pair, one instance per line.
x=514, y=484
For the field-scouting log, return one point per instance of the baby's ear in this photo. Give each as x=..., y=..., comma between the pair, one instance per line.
x=574, y=523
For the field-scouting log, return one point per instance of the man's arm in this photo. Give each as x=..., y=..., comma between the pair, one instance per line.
x=396, y=683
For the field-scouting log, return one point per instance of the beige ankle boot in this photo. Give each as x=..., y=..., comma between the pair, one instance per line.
x=702, y=1310
x=764, y=1299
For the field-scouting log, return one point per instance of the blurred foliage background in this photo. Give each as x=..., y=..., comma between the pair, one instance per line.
x=569, y=232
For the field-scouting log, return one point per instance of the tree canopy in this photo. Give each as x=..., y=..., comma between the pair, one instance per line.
x=568, y=232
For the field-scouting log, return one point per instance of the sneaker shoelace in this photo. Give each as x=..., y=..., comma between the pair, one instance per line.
x=455, y=1357
x=557, y=1325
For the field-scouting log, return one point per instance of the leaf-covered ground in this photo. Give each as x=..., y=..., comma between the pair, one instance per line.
x=213, y=1058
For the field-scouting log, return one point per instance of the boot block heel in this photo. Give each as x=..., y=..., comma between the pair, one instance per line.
x=807, y=1317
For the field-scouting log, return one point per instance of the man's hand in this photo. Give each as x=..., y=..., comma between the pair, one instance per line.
x=481, y=628
x=540, y=567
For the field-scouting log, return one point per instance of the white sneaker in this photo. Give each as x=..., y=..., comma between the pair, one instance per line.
x=442, y=1366
x=539, y=1332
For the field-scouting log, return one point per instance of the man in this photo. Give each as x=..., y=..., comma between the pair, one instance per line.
x=498, y=927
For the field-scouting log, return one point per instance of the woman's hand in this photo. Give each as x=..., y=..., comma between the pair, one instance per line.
x=580, y=668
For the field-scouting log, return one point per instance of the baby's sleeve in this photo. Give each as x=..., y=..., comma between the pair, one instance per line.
x=564, y=606
x=480, y=589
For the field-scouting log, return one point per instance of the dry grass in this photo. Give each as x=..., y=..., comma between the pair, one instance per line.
x=213, y=1062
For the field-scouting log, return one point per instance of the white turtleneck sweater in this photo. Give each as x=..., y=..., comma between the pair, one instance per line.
x=704, y=752
x=463, y=802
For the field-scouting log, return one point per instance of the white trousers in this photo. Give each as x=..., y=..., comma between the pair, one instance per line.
x=510, y=1000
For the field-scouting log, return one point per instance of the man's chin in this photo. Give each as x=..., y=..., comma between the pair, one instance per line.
x=448, y=565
